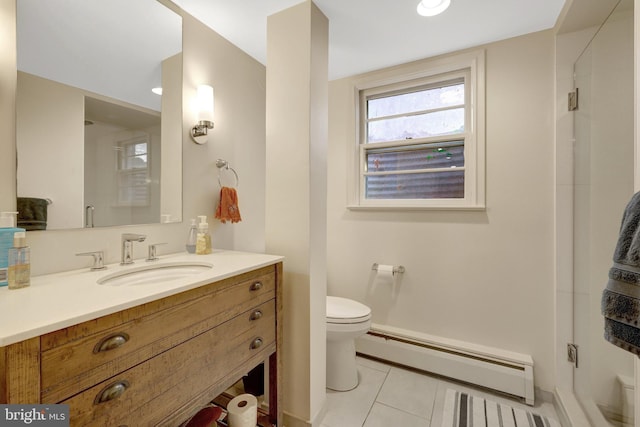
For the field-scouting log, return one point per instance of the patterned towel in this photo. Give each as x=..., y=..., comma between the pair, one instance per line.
x=228, y=207
x=621, y=298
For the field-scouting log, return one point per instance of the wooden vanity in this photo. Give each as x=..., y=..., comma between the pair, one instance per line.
x=156, y=363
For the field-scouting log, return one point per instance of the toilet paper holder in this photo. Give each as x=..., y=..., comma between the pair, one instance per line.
x=397, y=269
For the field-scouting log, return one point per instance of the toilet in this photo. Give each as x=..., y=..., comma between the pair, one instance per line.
x=346, y=320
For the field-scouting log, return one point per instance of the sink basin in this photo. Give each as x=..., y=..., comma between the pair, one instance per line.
x=156, y=273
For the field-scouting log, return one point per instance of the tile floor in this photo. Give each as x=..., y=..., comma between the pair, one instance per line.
x=393, y=396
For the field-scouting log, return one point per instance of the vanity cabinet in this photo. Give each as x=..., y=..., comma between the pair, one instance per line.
x=156, y=363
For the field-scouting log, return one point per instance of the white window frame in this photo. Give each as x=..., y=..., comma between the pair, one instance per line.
x=469, y=65
x=123, y=175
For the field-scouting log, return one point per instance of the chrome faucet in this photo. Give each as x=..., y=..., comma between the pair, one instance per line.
x=127, y=246
x=98, y=259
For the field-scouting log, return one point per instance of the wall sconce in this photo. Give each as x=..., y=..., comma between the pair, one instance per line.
x=204, y=106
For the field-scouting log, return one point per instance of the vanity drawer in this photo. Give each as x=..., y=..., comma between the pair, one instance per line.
x=94, y=353
x=155, y=389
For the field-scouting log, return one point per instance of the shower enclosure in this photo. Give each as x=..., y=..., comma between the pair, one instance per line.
x=603, y=178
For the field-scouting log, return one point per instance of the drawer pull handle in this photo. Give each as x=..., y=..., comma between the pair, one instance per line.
x=255, y=343
x=110, y=342
x=256, y=286
x=111, y=392
x=256, y=315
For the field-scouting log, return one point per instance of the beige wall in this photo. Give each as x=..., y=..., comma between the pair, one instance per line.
x=171, y=131
x=238, y=136
x=483, y=277
x=7, y=105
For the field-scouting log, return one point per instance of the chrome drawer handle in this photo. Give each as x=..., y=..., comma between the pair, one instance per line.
x=256, y=343
x=112, y=391
x=111, y=341
x=256, y=286
x=256, y=315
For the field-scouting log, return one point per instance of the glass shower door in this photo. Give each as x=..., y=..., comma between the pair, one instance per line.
x=603, y=185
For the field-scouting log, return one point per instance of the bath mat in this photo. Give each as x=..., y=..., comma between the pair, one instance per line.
x=465, y=410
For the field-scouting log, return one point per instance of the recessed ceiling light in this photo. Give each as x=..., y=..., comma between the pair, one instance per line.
x=432, y=7
x=157, y=90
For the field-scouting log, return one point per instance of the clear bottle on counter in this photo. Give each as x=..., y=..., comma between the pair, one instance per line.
x=192, y=238
x=7, y=230
x=19, y=274
x=203, y=239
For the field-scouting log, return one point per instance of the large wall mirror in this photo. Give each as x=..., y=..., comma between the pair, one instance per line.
x=99, y=113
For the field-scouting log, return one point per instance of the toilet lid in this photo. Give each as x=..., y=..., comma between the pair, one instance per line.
x=344, y=310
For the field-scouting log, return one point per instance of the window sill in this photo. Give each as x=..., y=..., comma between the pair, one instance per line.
x=476, y=208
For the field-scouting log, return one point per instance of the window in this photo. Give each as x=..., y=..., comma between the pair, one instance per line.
x=133, y=172
x=421, y=137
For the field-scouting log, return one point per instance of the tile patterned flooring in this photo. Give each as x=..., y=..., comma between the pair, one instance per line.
x=393, y=396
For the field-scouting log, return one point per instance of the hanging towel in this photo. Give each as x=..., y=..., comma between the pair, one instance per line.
x=621, y=298
x=228, y=207
x=32, y=213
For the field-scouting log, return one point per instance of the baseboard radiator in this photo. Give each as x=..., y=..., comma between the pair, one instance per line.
x=501, y=370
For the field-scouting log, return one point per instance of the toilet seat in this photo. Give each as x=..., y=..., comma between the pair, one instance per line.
x=344, y=310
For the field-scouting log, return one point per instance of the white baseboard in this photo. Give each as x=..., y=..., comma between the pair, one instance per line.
x=493, y=368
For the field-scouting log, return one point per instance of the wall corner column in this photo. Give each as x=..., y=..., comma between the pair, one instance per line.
x=296, y=176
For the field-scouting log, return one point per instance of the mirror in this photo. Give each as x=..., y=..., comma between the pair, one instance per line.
x=95, y=146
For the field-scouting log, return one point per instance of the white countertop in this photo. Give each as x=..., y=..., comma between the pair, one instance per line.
x=55, y=301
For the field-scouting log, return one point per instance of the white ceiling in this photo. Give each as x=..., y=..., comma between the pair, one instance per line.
x=370, y=34
x=61, y=40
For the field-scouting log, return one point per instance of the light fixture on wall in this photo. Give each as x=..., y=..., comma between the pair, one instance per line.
x=432, y=7
x=204, y=106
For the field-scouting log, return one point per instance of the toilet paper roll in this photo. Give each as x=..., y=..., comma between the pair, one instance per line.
x=385, y=272
x=243, y=411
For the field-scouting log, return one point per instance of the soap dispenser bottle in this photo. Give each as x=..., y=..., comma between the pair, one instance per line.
x=192, y=238
x=203, y=240
x=19, y=262
x=7, y=230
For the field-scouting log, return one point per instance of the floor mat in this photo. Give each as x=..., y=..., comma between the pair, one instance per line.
x=465, y=410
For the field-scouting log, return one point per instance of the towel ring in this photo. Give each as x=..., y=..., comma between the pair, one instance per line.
x=220, y=163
